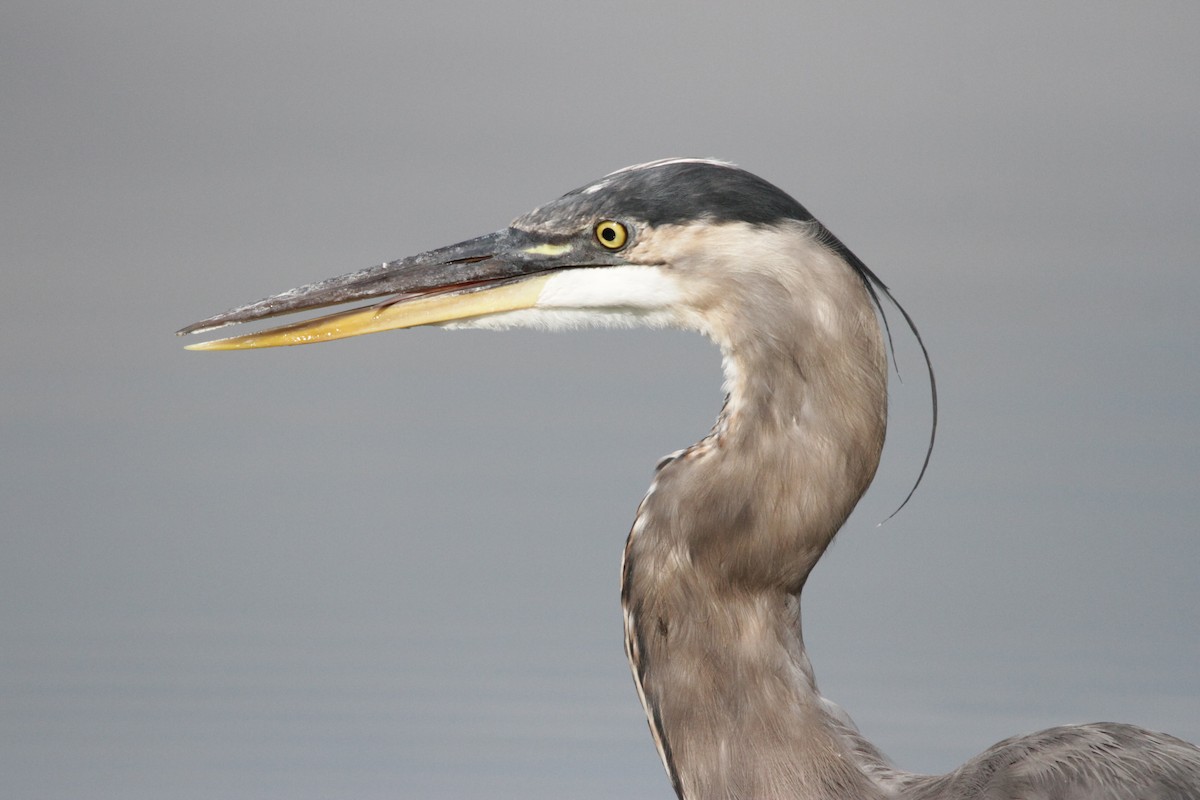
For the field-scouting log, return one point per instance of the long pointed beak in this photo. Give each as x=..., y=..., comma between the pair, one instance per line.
x=502, y=271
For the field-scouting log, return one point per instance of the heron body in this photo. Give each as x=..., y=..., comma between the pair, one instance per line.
x=731, y=527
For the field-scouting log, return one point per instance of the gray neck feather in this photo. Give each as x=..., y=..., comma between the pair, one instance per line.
x=730, y=529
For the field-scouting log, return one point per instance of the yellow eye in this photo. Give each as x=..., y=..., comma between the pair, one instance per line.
x=612, y=235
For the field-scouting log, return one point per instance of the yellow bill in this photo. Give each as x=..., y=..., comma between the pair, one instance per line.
x=409, y=312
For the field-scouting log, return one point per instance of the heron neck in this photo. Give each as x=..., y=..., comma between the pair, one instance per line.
x=716, y=560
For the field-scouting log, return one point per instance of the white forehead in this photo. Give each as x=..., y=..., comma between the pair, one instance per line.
x=662, y=162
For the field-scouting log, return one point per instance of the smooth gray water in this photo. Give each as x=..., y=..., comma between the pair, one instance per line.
x=388, y=567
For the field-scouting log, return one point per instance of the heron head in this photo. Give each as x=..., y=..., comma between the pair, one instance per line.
x=656, y=244
x=683, y=242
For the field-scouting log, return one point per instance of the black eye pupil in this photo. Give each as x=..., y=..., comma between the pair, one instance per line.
x=608, y=234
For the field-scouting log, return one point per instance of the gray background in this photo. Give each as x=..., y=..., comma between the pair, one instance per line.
x=388, y=567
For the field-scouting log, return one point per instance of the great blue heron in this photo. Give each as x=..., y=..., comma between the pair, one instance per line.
x=731, y=527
